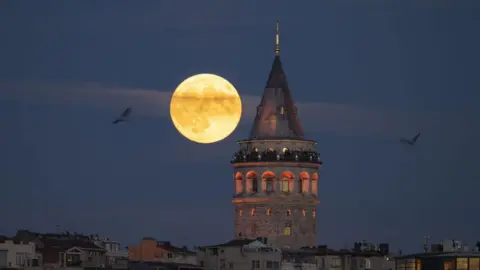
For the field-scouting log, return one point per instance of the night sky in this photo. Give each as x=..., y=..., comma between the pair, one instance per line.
x=363, y=73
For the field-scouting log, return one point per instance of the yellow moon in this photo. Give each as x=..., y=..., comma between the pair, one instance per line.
x=205, y=108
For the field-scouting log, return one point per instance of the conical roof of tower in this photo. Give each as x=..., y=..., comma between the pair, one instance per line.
x=277, y=115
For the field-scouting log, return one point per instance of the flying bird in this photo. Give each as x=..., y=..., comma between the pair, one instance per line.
x=412, y=141
x=123, y=117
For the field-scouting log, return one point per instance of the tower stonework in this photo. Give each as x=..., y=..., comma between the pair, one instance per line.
x=275, y=171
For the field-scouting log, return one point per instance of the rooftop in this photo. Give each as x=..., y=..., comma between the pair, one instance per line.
x=277, y=115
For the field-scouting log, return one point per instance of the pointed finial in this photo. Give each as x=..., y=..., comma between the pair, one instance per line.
x=277, y=41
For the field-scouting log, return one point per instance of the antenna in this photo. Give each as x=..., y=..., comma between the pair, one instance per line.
x=425, y=243
x=277, y=41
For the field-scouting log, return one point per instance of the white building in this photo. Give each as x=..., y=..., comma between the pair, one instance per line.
x=240, y=254
x=115, y=256
x=15, y=254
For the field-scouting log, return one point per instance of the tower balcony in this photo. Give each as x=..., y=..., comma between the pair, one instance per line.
x=307, y=156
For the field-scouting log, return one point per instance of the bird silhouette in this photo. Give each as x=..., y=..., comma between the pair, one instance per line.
x=412, y=141
x=123, y=117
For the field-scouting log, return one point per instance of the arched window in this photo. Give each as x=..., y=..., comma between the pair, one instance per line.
x=240, y=212
x=289, y=212
x=255, y=186
x=315, y=183
x=269, y=185
x=304, y=213
x=285, y=185
x=268, y=181
x=286, y=182
x=314, y=213
x=252, y=185
x=269, y=212
x=305, y=180
x=252, y=212
x=287, y=230
x=238, y=183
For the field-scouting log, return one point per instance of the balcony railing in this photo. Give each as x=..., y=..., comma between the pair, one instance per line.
x=274, y=156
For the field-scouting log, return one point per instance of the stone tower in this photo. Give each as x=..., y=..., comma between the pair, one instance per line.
x=275, y=171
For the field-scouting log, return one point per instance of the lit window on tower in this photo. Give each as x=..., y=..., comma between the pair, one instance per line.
x=252, y=212
x=289, y=212
x=304, y=212
x=287, y=230
x=285, y=185
x=269, y=212
x=240, y=212
x=314, y=213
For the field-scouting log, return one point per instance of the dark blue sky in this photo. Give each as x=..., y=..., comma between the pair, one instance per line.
x=364, y=74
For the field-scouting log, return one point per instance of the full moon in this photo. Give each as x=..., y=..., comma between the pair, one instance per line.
x=205, y=108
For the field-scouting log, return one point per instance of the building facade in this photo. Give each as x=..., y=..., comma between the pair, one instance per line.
x=240, y=254
x=151, y=250
x=17, y=254
x=275, y=171
x=439, y=261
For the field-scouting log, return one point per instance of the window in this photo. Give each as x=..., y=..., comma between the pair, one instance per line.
x=462, y=264
x=238, y=186
x=284, y=150
x=304, y=185
x=230, y=265
x=282, y=110
x=314, y=187
x=254, y=185
x=255, y=264
x=314, y=212
x=170, y=255
x=304, y=213
x=276, y=264
x=269, y=185
x=448, y=265
x=368, y=264
x=20, y=258
x=285, y=185
x=269, y=264
x=240, y=212
x=222, y=263
x=252, y=212
x=474, y=263
x=289, y=212
x=335, y=263
x=287, y=230
x=269, y=212
x=418, y=264
x=300, y=185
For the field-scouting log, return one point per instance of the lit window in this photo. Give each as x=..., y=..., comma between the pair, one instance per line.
x=252, y=212
x=287, y=230
x=269, y=212
x=304, y=212
x=240, y=212
x=284, y=149
x=289, y=213
x=285, y=185
x=462, y=264
x=314, y=213
x=448, y=265
x=474, y=263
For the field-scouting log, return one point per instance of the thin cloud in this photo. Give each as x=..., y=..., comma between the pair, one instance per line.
x=317, y=117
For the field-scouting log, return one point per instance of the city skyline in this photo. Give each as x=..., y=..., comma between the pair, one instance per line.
x=369, y=75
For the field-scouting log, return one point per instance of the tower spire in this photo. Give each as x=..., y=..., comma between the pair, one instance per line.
x=277, y=41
